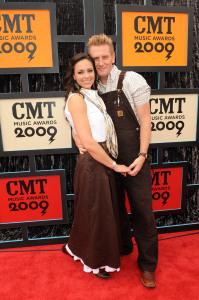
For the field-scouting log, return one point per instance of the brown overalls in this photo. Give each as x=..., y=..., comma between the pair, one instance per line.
x=138, y=188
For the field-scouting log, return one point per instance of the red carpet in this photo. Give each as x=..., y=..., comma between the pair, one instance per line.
x=35, y=273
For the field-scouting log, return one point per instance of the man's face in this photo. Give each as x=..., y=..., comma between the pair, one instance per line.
x=104, y=58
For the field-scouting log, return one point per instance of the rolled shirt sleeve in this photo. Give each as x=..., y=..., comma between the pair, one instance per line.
x=137, y=89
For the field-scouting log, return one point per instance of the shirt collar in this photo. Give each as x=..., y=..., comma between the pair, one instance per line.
x=111, y=77
x=114, y=73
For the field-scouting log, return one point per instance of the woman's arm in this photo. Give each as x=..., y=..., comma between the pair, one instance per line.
x=78, y=110
x=78, y=143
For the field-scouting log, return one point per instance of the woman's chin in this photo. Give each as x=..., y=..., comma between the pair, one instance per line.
x=88, y=87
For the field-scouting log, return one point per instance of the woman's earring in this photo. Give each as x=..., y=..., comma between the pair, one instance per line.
x=76, y=85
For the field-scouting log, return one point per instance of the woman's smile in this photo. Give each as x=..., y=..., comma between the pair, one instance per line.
x=84, y=74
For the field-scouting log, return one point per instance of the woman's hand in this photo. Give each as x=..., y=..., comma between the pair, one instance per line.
x=121, y=169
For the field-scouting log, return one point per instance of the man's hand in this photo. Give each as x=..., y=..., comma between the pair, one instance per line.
x=136, y=166
x=82, y=150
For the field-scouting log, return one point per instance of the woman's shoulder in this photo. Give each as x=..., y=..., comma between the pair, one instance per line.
x=74, y=96
x=75, y=102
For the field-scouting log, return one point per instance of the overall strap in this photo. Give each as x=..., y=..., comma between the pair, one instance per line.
x=120, y=80
x=126, y=102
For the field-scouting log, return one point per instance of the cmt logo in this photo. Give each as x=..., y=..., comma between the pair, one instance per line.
x=14, y=24
x=170, y=106
x=162, y=27
x=17, y=24
x=31, y=110
x=160, y=179
x=149, y=24
x=173, y=107
x=41, y=111
x=33, y=188
x=20, y=187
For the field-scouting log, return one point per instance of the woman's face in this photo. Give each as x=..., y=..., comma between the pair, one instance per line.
x=84, y=73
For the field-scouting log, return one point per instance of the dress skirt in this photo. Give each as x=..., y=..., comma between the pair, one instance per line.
x=94, y=237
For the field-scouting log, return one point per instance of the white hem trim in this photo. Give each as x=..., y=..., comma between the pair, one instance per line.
x=86, y=268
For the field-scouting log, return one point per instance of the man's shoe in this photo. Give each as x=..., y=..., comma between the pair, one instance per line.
x=103, y=274
x=148, y=279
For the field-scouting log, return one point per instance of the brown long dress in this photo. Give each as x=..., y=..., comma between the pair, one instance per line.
x=94, y=237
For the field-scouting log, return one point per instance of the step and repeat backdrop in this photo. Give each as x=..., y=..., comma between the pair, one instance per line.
x=37, y=153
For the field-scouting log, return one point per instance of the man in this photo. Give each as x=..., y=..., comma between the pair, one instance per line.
x=127, y=101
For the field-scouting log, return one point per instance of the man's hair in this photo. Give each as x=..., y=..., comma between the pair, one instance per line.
x=100, y=39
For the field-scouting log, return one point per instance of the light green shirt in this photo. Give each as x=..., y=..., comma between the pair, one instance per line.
x=135, y=87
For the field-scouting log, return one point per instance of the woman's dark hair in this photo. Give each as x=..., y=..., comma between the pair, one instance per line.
x=70, y=85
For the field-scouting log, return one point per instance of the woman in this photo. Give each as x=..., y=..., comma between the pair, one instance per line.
x=94, y=237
